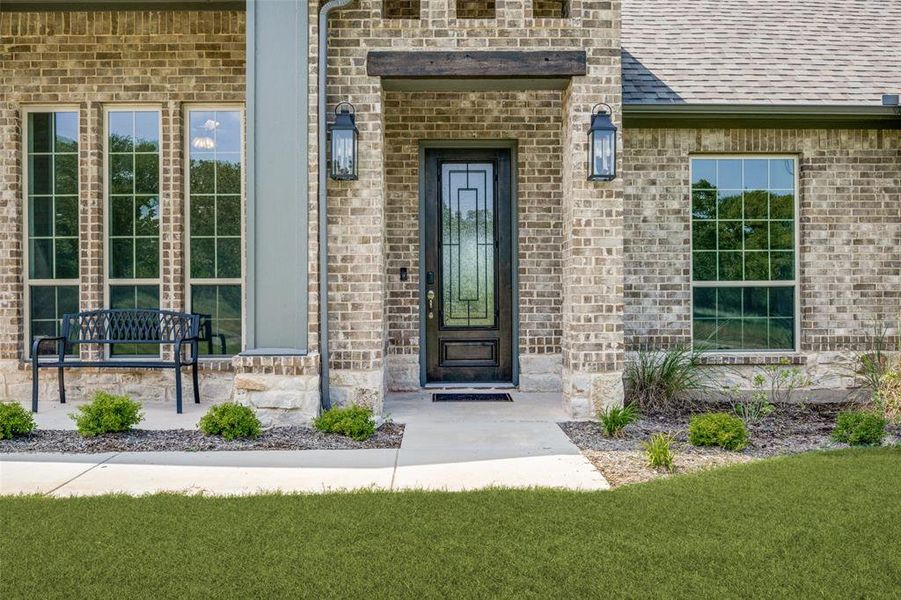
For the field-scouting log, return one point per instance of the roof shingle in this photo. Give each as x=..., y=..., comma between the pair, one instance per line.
x=837, y=52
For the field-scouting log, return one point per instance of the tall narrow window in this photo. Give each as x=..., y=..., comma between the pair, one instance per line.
x=744, y=253
x=51, y=189
x=133, y=209
x=214, y=222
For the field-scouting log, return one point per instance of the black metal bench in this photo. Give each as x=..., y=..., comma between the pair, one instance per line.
x=121, y=326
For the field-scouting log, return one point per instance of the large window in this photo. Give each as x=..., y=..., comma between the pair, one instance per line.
x=744, y=253
x=214, y=222
x=51, y=220
x=133, y=209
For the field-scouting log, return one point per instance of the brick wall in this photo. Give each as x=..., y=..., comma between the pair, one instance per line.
x=850, y=230
x=359, y=223
x=92, y=59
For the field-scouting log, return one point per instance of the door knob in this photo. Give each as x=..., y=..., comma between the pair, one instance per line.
x=431, y=296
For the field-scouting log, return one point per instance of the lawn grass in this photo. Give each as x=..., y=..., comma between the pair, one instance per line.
x=812, y=526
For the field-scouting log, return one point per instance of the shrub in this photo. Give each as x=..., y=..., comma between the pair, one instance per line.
x=231, y=421
x=859, y=428
x=659, y=380
x=106, y=413
x=614, y=419
x=353, y=421
x=718, y=429
x=14, y=420
x=888, y=397
x=659, y=452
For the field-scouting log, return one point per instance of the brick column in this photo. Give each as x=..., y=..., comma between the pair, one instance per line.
x=592, y=259
x=11, y=297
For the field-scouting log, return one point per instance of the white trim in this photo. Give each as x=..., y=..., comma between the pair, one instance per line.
x=795, y=283
x=108, y=281
x=27, y=282
x=186, y=237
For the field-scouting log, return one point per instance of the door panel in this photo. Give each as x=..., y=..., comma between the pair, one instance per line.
x=468, y=259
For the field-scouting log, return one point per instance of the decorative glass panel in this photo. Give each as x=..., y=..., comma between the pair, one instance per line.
x=133, y=187
x=220, y=309
x=467, y=245
x=743, y=230
x=48, y=304
x=134, y=296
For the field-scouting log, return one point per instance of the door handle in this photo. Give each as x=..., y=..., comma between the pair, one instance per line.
x=431, y=296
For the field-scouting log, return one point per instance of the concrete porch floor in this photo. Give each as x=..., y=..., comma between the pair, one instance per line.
x=446, y=446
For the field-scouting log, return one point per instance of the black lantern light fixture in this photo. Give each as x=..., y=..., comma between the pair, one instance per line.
x=602, y=144
x=344, y=143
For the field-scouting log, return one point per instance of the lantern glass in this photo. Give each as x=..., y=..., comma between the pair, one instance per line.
x=601, y=148
x=344, y=146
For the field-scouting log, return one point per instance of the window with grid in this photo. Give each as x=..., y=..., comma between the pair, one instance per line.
x=744, y=253
x=51, y=190
x=214, y=222
x=133, y=205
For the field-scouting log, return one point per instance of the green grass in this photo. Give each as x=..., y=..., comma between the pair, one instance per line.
x=812, y=526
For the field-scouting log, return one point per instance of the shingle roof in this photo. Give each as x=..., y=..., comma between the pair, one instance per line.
x=761, y=51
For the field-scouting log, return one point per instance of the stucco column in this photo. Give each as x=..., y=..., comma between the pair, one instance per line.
x=592, y=258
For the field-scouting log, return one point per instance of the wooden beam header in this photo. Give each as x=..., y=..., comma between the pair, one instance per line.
x=501, y=64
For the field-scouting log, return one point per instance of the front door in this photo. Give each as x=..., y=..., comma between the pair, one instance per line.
x=468, y=279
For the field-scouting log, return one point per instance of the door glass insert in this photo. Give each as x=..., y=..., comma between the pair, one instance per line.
x=467, y=245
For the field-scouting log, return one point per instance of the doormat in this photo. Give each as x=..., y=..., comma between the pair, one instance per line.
x=470, y=397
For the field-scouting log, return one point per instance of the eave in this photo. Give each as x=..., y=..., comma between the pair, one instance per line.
x=761, y=116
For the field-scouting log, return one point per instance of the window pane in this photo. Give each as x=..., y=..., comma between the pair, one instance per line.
x=228, y=258
x=756, y=174
x=756, y=235
x=66, y=174
x=730, y=266
x=122, y=215
x=743, y=318
x=40, y=174
x=782, y=205
x=782, y=174
x=67, y=258
x=40, y=217
x=203, y=258
x=782, y=235
x=134, y=296
x=729, y=204
x=782, y=265
x=146, y=132
x=203, y=174
x=220, y=310
x=147, y=215
x=66, y=132
x=703, y=173
x=121, y=132
x=122, y=258
x=228, y=215
x=704, y=266
x=40, y=132
x=228, y=174
x=67, y=216
x=704, y=235
x=729, y=174
x=703, y=204
x=48, y=305
x=757, y=266
x=730, y=235
x=203, y=215
x=147, y=180
x=756, y=204
x=147, y=258
x=40, y=258
x=122, y=176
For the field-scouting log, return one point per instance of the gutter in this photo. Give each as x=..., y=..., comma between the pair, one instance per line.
x=761, y=115
x=322, y=91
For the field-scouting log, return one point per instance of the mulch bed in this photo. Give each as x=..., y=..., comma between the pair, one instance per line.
x=389, y=435
x=790, y=430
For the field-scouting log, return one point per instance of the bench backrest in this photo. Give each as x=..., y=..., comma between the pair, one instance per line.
x=135, y=326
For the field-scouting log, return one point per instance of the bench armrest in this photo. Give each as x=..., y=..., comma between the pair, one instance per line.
x=188, y=340
x=36, y=346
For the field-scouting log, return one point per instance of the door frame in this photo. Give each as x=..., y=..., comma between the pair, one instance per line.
x=504, y=144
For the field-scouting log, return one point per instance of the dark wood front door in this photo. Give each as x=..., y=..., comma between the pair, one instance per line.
x=468, y=279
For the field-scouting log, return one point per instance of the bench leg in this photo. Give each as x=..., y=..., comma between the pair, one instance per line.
x=196, y=384
x=62, y=386
x=178, y=389
x=34, y=387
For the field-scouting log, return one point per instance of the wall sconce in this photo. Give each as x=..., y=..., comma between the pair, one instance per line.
x=601, y=144
x=344, y=143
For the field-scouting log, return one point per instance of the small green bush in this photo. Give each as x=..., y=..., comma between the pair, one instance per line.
x=614, y=419
x=106, y=413
x=859, y=428
x=14, y=420
x=354, y=421
x=661, y=380
x=659, y=452
x=718, y=429
x=231, y=421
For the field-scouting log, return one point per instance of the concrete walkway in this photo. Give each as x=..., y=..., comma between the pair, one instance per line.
x=446, y=446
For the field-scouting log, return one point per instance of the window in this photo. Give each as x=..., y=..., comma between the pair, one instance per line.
x=51, y=221
x=475, y=9
x=400, y=9
x=215, y=225
x=744, y=253
x=549, y=9
x=133, y=209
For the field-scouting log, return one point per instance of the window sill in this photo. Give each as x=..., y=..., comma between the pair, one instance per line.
x=752, y=359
